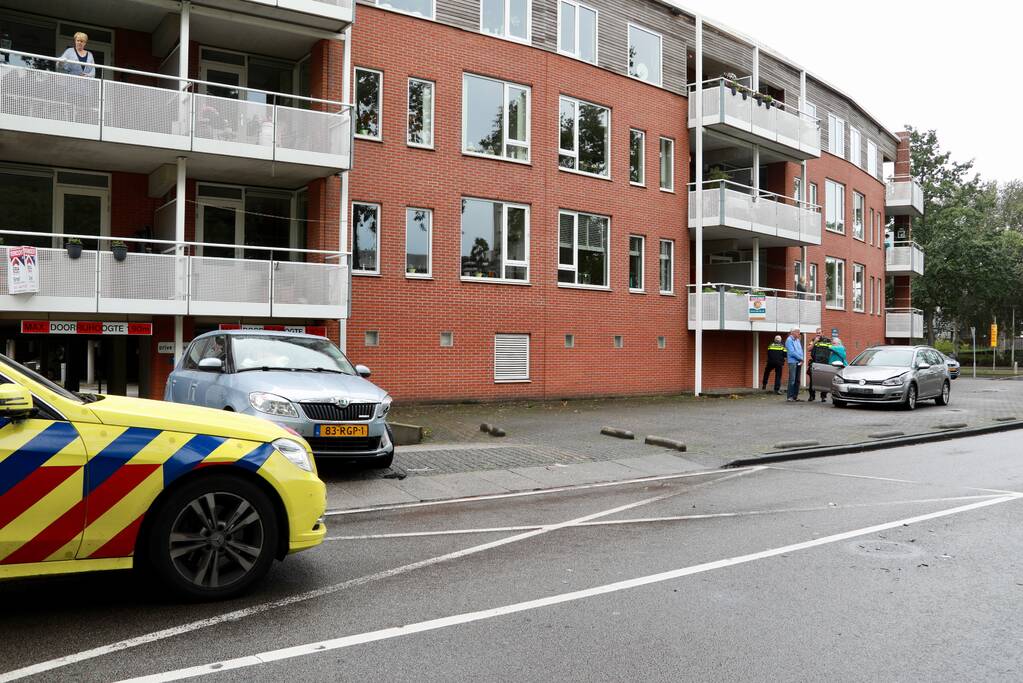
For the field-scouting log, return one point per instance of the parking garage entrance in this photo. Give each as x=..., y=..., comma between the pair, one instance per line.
x=110, y=357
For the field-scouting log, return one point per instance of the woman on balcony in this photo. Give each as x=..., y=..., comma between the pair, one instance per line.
x=80, y=61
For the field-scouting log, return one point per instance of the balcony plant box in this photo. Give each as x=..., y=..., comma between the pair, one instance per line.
x=74, y=248
x=120, y=250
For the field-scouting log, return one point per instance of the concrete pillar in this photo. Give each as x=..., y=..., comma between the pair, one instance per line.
x=117, y=365
x=11, y=346
x=755, y=281
x=183, y=40
x=90, y=362
x=698, y=184
x=180, y=202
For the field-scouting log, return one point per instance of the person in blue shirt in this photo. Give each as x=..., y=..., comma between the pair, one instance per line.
x=794, y=356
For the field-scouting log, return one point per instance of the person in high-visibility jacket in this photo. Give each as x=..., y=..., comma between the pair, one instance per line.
x=818, y=351
x=775, y=362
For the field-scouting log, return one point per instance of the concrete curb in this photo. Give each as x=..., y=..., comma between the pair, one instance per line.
x=880, y=444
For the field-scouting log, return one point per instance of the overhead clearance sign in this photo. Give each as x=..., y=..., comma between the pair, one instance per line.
x=319, y=330
x=117, y=328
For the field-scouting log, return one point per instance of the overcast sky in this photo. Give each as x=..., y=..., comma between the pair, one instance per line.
x=951, y=66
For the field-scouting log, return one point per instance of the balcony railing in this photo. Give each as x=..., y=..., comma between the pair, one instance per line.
x=731, y=107
x=904, y=196
x=903, y=323
x=904, y=258
x=742, y=209
x=179, y=116
x=334, y=9
x=175, y=281
x=730, y=307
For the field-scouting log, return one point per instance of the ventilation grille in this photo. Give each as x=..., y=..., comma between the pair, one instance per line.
x=511, y=358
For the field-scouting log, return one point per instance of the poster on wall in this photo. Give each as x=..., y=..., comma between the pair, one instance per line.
x=757, y=306
x=22, y=270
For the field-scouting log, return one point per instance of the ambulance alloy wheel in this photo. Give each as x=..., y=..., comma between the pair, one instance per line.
x=214, y=537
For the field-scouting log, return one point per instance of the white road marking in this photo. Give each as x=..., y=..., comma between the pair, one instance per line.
x=1000, y=492
x=537, y=492
x=650, y=520
x=84, y=655
x=469, y=617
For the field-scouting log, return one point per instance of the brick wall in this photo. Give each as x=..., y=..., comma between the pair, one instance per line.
x=410, y=314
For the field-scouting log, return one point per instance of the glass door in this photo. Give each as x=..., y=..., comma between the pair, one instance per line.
x=231, y=75
x=82, y=211
x=220, y=224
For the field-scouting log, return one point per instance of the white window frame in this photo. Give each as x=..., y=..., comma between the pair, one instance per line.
x=433, y=114
x=855, y=147
x=839, y=210
x=574, y=153
x=839, y=284
x=574, y=268
x=529, y=121
x=380, y=221
x=660, y=53
x=642, y=264
x=660, y=164
x=528, y=40
x=811, y=280
x=512, y=379
x=836, y=135
x=642, y=158
x=871, y=295
x=433, y=10
x=872, y=164
x=858, y=197
x=574, y=53
x=428, y=275
x=671, y=266
x=505, y=262
x=380, y=102
x=861, y=270
x=870, y=227
x=810, y=108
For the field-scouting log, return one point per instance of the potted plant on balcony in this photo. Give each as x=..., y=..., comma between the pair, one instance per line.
x=74, y=248
x=767, y=100
x=120, y=250
x=732, y=81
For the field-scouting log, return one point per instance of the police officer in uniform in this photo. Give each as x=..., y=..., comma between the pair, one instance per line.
x=819, y=352
x=775, y=362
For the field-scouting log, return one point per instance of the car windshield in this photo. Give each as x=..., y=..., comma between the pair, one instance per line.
x=899, y=358
x=288, y=353
x=39, y=379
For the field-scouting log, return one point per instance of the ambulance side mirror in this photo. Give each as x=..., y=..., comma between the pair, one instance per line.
x=15, y=401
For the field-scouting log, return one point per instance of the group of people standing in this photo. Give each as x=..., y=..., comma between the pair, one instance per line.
x=821, y=349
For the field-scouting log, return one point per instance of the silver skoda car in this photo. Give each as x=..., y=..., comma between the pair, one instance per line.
x=891, y=374
x=300, y=381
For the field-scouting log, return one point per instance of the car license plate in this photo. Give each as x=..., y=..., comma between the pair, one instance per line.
x=342, y=431
x=863, y=391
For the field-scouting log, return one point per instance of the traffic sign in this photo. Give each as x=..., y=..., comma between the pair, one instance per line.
x=994, y=335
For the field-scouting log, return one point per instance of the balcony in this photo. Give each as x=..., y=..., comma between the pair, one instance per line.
x=730, y=108
x=904, y=258
x=159, y=123
x=730, y=307
x=904, y=196
x=176, y=282
x=903, y=323
x=734, y=211
x=338, y=10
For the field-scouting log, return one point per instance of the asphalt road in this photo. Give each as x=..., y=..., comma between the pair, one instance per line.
x=892, y=565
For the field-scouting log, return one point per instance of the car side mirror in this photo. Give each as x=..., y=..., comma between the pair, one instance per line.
x=837, y=364
x=211, y=365
x=363, y=371
x=923, y=366
x=15, y=401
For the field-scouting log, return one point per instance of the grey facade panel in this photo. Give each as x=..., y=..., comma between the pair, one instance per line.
x=461, y=13
x=829, y=102
x=735, y=55
x=780, y=75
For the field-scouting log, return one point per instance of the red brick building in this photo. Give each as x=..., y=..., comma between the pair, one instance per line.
x=521, y=220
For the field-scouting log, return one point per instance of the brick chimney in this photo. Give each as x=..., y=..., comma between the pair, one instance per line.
x=903, y=164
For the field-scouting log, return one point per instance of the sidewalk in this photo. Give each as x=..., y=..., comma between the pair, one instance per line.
x=559, y=443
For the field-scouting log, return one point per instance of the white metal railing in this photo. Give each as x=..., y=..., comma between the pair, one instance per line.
x=743, y=208
x=903, y=323
x=904, y=257
x=171, y=112
x=734, y=104
x=728, y=307
x=903, y=192
x=164, y=277
x=335, y=9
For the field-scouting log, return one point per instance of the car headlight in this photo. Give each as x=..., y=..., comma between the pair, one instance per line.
x=384, y=407
x=295, y=452
x=272, y=404
x=895, y=381
x=837, y=379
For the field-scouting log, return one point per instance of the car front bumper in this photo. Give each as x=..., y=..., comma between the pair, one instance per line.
x=871, y=393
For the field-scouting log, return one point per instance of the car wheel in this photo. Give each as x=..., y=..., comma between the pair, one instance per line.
x=213, y=538
x=946, y=393
x=383, y=462
x=909, y=403
x=837, y=403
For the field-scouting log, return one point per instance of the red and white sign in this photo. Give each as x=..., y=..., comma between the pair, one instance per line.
x=22, y=270
x=117, y=328
x=318, y=330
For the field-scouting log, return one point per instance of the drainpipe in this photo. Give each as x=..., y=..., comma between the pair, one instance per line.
x=698, y=185
x=182, y=266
